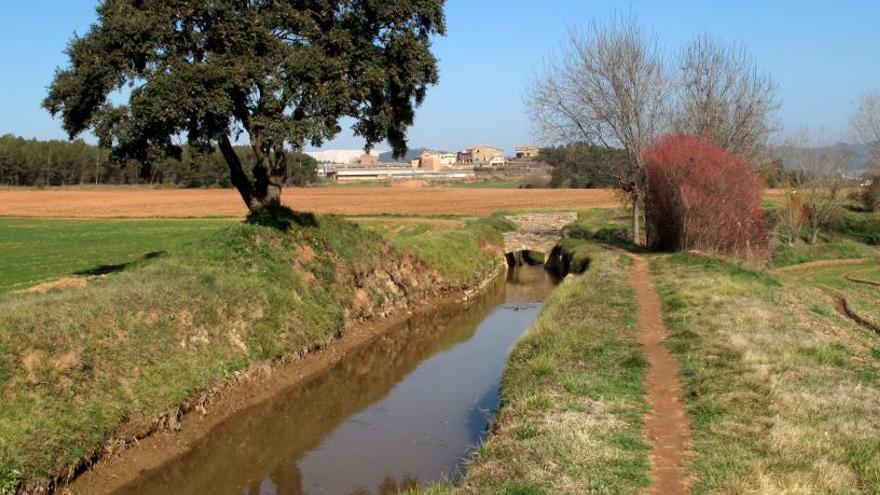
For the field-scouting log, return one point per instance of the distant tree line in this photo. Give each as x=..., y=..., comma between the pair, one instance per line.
x=582, y=165
x=29, y=162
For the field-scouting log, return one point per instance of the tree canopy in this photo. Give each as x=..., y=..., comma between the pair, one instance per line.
x=582, y=165
x=276, y=73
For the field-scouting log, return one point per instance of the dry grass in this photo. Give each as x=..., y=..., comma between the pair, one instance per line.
x=784, y=397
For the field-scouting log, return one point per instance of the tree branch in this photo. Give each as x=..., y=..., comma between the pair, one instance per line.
x=236, y=172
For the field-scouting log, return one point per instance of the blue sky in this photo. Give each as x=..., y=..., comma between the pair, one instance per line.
x=823, y=54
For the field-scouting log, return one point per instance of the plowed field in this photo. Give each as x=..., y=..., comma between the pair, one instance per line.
x=178, y=203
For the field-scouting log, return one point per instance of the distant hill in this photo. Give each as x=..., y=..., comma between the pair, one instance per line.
x=857, y=155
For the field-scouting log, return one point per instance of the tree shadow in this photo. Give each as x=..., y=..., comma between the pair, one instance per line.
x=114, y=268
x=281, y=218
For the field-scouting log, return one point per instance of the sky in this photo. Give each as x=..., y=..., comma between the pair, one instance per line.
x=822, y=54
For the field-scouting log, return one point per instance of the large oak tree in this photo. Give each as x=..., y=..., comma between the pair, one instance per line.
x=278, y=74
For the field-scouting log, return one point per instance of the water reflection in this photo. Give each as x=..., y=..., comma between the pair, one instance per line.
x=402, y=411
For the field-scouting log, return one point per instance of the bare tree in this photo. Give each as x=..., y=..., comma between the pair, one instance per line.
x=820, y=165
x=724, y=97
x=608, y=88
x=866, y=127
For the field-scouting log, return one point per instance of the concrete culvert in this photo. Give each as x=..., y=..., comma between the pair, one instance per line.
x=525, y=257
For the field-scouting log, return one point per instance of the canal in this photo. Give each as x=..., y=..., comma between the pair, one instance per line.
x=400, y=412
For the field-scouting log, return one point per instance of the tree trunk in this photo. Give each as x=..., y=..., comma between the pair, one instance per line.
x=267, y=187
x=269, y=173
x=636, y=219
x=237, y=176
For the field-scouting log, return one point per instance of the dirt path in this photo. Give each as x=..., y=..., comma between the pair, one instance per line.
x=667, y=423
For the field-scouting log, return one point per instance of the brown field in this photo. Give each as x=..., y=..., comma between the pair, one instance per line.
x=177, y=203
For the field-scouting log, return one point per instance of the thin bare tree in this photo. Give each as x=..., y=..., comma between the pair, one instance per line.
x=820, y=164
x=866, y=127
x=723, y=97
x=607, y=87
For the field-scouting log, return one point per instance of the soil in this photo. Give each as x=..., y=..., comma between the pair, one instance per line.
x=61, y=283
x=412, y=184
x=141, y=202
x=667, y=424
x=258, y=385
x=854, y=278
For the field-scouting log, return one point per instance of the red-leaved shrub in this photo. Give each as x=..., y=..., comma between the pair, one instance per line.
x=700, y=196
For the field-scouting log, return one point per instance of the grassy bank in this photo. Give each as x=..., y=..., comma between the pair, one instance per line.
x=86, y=366
x=811, y=283
x=582, y=235
x=782, y=391
x=449, y=249
x=856, y=234
x=574, y=397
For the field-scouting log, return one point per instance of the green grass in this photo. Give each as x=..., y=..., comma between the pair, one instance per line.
x=36, y=250
x=860, y=226
x=785, y=255
x=602, y=225
x=450, y=250
x=782, y=392
x=573, y=397
x=77, y=363
x=855, y=235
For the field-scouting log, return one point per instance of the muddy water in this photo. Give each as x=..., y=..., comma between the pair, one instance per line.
x=400, y=412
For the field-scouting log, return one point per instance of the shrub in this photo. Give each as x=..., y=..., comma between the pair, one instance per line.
x=792, y=218
x=576, y=230
x=700, y=196
x=870, y=193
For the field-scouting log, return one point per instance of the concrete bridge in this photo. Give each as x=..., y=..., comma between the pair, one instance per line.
x=537, y=232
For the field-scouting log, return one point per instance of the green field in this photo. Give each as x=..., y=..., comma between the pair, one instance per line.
x=36, y=250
